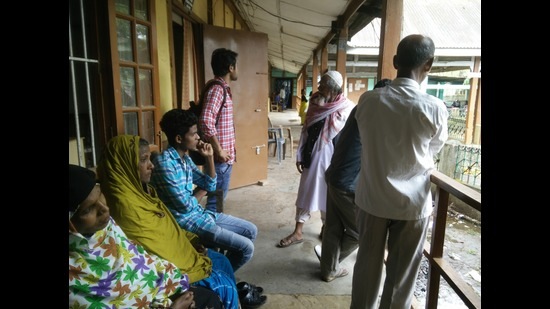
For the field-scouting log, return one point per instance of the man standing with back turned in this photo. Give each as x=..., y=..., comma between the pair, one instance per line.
x=340, y=236
x=401, y=128
x=216, y=122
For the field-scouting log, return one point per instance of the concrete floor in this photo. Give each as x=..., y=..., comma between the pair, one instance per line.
x=290, y=276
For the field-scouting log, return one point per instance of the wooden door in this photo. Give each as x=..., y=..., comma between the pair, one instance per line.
x=250, y=97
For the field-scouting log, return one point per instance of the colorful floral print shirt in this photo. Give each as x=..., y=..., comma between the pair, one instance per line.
x=107, y=270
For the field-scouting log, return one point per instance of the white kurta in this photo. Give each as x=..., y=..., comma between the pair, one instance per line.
x=312, y=192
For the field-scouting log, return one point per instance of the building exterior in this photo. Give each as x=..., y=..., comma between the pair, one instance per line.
x=132, y=60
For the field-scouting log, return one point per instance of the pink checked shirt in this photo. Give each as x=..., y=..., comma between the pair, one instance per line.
x=224, y=130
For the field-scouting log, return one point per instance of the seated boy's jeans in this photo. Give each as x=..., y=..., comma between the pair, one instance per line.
x=234, y=235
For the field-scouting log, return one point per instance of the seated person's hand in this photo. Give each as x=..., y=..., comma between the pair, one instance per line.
x=184, y=301
x=205, y=149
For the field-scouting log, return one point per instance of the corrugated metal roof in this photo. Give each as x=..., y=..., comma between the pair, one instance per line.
x=450, y=23
x=296, y=27
x=454, y=25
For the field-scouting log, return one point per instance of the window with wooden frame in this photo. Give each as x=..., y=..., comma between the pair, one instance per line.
x=135, y=68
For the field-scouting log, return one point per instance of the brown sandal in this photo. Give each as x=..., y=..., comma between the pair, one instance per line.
x=289, y=241
x=343, y=272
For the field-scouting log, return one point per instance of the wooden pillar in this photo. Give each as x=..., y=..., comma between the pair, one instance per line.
x=477, y=128
x=304, y=79
x=299, y=86
x=341, y=54
x=392, y=23
x=324, y=60
x=473, y=116
x=315, y=71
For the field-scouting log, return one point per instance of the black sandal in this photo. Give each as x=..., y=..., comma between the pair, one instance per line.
x=252, y=300
x=243, y=287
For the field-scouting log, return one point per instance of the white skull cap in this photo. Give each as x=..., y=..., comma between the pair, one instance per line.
x=336, y=76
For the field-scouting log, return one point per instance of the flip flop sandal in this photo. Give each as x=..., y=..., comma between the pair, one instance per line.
x=343, y=272
x=289, y=242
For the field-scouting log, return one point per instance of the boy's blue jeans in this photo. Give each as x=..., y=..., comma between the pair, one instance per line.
x=234, y=235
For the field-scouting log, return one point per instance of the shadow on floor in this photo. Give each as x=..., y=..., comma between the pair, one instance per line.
x=290, y=276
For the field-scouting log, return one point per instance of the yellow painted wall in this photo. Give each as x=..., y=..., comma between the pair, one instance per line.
x=163, y=50
x=218, y=15
x=222, y=14
x=229, y=18
x=223, y=17
x=200, y=8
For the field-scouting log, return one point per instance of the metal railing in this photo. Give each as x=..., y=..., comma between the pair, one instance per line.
x=468, y=165
x=460, y=162
x=456, y=126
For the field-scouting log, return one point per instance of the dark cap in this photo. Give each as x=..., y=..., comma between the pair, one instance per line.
x=81, y=183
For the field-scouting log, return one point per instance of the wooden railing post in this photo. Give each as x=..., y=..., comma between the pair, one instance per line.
x=436, y=248
x=439, y=267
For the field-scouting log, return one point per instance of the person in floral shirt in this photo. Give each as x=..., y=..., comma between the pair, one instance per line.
x=108, y=270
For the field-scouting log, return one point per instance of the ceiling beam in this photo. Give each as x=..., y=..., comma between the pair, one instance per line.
x=237, y=15
x=351, y=9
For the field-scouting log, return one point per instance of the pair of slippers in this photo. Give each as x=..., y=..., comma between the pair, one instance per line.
x=250, y=295
x=245, y=287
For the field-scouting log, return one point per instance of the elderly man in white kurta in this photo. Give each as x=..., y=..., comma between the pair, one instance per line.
x=328, y=111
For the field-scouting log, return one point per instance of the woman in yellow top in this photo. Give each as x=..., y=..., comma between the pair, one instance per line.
x=303, y=106
x=124, y=173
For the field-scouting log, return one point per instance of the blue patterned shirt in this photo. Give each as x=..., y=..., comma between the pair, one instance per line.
x=173, y=178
